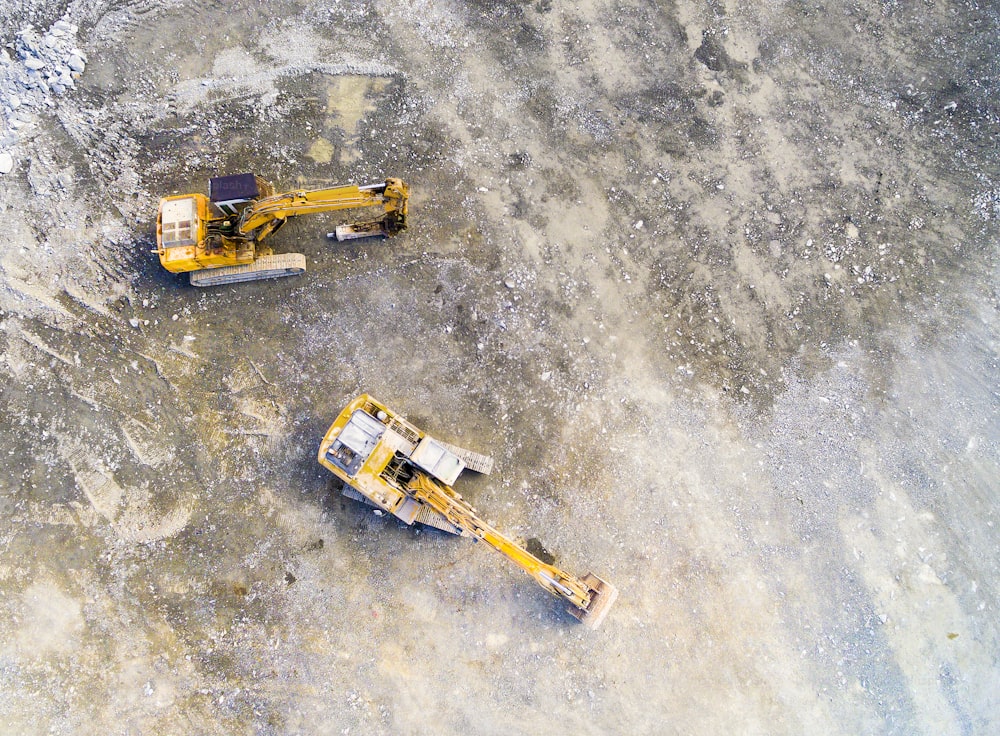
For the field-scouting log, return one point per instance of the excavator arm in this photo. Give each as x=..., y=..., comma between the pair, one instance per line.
x=450, y=505
x=266, y=215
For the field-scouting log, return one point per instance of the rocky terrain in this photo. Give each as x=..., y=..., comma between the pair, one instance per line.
x=715, y=285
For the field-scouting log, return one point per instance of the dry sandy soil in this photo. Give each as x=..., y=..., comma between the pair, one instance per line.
x=714, y=283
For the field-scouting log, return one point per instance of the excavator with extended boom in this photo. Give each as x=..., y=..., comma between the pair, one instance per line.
x=218, y=238
x=388, y=463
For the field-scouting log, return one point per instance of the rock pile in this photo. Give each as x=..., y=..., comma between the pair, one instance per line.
x=43, y=67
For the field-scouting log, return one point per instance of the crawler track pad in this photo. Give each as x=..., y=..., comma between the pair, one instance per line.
x=603, y=596
x=265, y=267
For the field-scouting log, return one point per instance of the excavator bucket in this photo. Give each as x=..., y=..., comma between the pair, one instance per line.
x=602, y=596
x=356, y=230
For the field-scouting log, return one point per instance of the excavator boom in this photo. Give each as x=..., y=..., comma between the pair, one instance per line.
x=392, y=195
x=392, y=465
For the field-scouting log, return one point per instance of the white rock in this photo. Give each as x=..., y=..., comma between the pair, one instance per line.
x=6, y=163
x=76, y=63
x=14, y=101
x=33, y=63
x=134, y=322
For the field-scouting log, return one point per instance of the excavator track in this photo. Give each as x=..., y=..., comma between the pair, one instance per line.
x=482, y=464
x=265, y=267
x=426, y=515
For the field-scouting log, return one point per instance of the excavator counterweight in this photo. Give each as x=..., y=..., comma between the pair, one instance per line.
x=217, y=238
x=388, y=463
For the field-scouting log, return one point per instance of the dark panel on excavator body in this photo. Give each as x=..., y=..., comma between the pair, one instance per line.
x=232, y=188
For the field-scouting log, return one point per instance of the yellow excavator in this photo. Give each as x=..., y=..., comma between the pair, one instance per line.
x=217, y=238
x=388, y=463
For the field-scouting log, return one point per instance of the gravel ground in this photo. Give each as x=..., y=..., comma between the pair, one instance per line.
x=715, y=285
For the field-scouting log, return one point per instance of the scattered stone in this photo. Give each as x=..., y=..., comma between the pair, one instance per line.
x=51, y=65
x=134, y=322
x=6, y=163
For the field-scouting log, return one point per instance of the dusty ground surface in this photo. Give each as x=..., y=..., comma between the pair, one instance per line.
x=714, y=283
